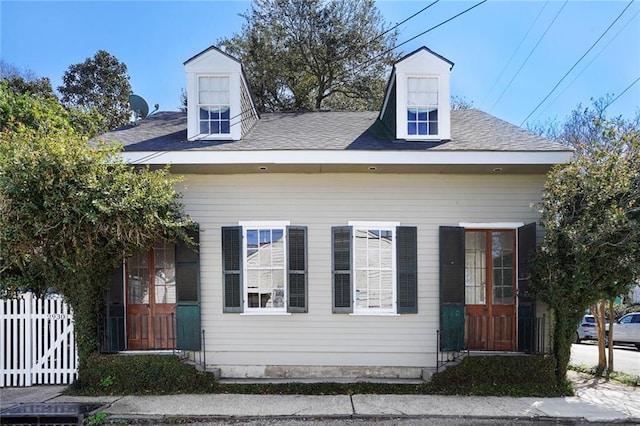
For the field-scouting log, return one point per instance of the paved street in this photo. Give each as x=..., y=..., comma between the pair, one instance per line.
x=626, y=359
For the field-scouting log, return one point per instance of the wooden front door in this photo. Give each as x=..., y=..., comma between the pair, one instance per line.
x=151, y=298
x=490, y=288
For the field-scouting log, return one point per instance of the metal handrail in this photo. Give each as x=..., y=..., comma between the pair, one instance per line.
x=528, y=330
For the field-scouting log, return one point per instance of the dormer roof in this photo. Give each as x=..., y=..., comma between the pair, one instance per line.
x=205, y=53
x=431, y=52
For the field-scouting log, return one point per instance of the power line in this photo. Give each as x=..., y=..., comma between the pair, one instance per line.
x=395, y=26
x=372, y=60
x=368, y=63
x=528, y=56
x=440, y=24
x=406, y=20
x=578, y=61
x=623, y=92
x=588, y=65
x=514, y=52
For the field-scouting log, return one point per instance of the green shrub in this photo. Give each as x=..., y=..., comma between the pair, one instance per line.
x=501, y=376
x=141, y=374
x=161, y=374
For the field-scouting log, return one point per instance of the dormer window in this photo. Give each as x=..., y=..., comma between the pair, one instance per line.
x=417, y=105
x=422, y=106
x=219, y=104
x=214, y=105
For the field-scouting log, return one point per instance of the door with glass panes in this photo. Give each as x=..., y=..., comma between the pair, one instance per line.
x=151, y=298
x=490, y=289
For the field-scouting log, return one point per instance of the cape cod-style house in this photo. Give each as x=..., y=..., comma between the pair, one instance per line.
x=336, y=244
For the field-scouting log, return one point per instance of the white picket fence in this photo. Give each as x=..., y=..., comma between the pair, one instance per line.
x=37, y=342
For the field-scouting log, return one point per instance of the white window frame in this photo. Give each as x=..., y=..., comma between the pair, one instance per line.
x=218, y=106
x=262, y=225
x=382, y=226
x=427, y=106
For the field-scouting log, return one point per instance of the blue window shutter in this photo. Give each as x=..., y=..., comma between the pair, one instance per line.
x=188, y=327
x=526, y=303
x=407, y=269
x=452, y=309
x=297, y=269
x=342, y=269
x=232, y=269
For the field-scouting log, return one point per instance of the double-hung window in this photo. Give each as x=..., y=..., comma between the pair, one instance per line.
x=214, y=105
x=374, y=263
x=422, y=106
x=264, y=268
x=374, y=268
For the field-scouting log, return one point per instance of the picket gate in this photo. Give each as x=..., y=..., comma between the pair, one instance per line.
x=37, y=342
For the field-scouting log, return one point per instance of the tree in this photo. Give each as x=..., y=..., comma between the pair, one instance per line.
x=585, y=129
x=591, y=216
x=34, y=87
x=24, y=105
x=458, y=102
x=69, y=213
x=306, y=54
x=99, y=85
x=33, y=103
x=183, y=101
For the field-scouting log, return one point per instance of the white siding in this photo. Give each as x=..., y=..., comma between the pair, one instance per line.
x=320, y=201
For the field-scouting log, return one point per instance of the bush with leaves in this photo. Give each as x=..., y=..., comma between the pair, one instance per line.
x=69, y=213
x=591, y=216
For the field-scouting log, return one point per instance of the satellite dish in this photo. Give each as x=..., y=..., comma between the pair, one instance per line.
x=139, y=106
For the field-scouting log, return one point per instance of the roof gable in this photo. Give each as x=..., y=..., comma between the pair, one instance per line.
x=423, y=53
x=212, y=58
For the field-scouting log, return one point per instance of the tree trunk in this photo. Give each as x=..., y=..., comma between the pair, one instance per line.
x=564, y=330
x=611, y=319
x=598, y=313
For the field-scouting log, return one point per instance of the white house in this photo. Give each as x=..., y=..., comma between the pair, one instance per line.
x=354, y=244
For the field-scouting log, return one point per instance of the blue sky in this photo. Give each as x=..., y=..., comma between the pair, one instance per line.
x=508, y=55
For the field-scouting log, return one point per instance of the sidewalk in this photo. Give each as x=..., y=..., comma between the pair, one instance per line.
x=595, y=402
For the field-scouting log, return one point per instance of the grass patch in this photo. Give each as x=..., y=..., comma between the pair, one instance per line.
x=623, y=378
x=161, y=375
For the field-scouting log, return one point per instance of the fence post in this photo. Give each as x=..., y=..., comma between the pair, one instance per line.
x=5, y=348
x=29, y=323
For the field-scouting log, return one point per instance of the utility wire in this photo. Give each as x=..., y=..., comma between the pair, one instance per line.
x=394, y=27
x=578, y=61
x=588, y=65
x=406, y=20
x=440, y=24
x=623, y=92
x=370, y=61
x=528, y=56
x=514, y=52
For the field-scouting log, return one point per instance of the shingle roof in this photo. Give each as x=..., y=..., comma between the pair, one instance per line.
x=471, y=130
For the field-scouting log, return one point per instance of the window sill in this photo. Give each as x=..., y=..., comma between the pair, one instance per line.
x=265, y=313
x=374, y=314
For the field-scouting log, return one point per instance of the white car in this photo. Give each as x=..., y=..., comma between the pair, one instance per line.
x=586, y=329
x=626, y=330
